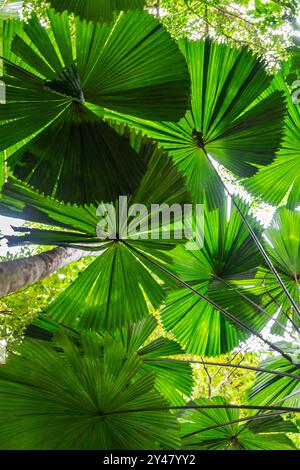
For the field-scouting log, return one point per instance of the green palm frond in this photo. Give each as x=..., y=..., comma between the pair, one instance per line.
x=228, y=255
x=20, y=202
x=172, y=380
x=282, y=177
x=51, y=75
x=220, y=429
x=284, y=391
x=282, y=243
x=60, y=396
x=229, y=119
x=114, y=290
x=160, y=183
x=96, y=10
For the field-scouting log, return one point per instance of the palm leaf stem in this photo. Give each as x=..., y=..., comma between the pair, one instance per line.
x=291, y=395
x=237, y=366
x=285, y=409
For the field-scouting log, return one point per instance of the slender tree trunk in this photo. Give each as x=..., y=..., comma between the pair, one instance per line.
x=23, y=272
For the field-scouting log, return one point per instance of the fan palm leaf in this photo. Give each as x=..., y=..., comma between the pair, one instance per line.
x=282, y=390
x=172, y=380
x=282, y=177
x=132, y=66
x=58, y=396
x=282, y=244
x=226, y=121
x=116, y=287
x=228, y=254
x=20, y=202
x=220, y=429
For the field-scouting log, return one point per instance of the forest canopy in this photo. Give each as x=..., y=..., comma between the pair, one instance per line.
x=150, y=225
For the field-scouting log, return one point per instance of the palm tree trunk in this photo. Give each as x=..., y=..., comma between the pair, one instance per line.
x=23, y=272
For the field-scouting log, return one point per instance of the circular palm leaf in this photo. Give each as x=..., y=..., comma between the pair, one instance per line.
x=275, y=389
x=118, y=286
x=227, y=257
x=282, y=243
x=282, y=177
x=61, y=396
x=172, y=380
x=225, y=429
x=229, y=119
x=53, y=73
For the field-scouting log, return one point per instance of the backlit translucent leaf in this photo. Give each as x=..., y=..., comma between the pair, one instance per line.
x=62, y=397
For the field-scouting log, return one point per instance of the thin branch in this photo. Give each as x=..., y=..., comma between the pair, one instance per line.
x=206, y=18
x=231, y=38
x=209, y=378
x=227, y=377
x=234, y=15
x=5, y=312
x=157, y=8
x=243, y=348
